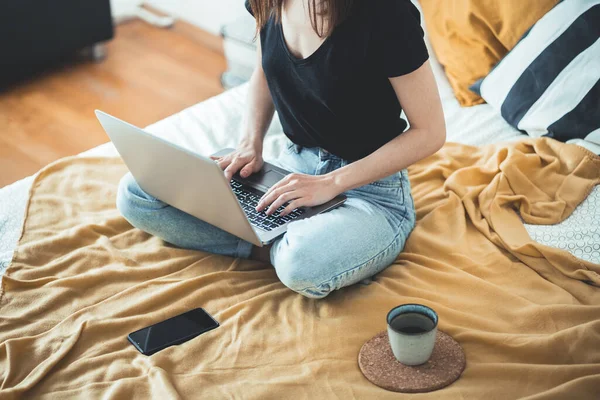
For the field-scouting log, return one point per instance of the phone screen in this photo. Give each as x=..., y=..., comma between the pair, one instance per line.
x=172, y=331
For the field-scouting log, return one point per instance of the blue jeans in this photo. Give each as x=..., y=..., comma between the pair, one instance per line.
x=317, y=255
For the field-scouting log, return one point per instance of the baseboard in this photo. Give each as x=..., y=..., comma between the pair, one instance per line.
x=209, y=15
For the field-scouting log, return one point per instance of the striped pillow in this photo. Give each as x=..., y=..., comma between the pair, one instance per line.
x=549, y=83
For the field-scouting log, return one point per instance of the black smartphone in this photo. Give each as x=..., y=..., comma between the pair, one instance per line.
x=172, y=331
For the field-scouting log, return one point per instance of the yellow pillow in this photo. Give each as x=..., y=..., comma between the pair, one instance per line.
x=469, y=37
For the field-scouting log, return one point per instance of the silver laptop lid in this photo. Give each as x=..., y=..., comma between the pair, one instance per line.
x=188, y=181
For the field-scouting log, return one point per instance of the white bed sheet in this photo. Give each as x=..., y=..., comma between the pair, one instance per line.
x=216, y=123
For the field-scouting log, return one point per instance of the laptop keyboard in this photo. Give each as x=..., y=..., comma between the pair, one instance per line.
x=249, y=200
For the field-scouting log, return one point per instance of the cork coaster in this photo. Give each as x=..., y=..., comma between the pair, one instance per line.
x=378, y=364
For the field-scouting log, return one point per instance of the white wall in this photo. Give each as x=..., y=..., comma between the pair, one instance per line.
x=122, y=8
x=209, y=15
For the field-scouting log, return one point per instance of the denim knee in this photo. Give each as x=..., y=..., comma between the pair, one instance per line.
x=132, y=201
x=123, y=194
x=299, y=267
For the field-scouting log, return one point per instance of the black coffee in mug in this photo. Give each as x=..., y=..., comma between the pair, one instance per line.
x=412, y=323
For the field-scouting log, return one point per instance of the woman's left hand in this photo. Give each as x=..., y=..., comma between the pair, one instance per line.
x=300, y=190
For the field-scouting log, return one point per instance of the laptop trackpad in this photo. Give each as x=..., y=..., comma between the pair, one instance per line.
x=265, y=178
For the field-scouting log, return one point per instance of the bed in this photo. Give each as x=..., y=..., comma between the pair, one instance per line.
x=308, y=359
x=215, y=124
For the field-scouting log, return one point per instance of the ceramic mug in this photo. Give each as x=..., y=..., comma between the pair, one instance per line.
x=412, y=330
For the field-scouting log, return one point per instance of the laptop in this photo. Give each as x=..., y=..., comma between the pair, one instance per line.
x=196, y=185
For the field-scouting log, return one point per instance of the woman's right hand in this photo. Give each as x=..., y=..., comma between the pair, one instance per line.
x=246, y=159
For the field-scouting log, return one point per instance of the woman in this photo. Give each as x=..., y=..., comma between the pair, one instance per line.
x=337, y=72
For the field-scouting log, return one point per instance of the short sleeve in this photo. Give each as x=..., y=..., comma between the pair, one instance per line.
x=402, y=46
x=249, y=8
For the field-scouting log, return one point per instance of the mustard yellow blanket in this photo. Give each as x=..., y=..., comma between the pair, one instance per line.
x=527, y=316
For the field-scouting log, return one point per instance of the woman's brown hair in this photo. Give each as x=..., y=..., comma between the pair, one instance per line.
x=332, y=12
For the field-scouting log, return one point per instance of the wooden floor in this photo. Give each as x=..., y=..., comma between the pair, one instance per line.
x=149, y=73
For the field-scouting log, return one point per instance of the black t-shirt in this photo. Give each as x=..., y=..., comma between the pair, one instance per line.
x=340, y=98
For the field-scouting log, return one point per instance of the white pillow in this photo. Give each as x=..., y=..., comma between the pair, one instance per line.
x=549, y=83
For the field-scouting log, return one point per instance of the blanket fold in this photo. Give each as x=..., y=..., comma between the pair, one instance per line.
x=527, y=315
